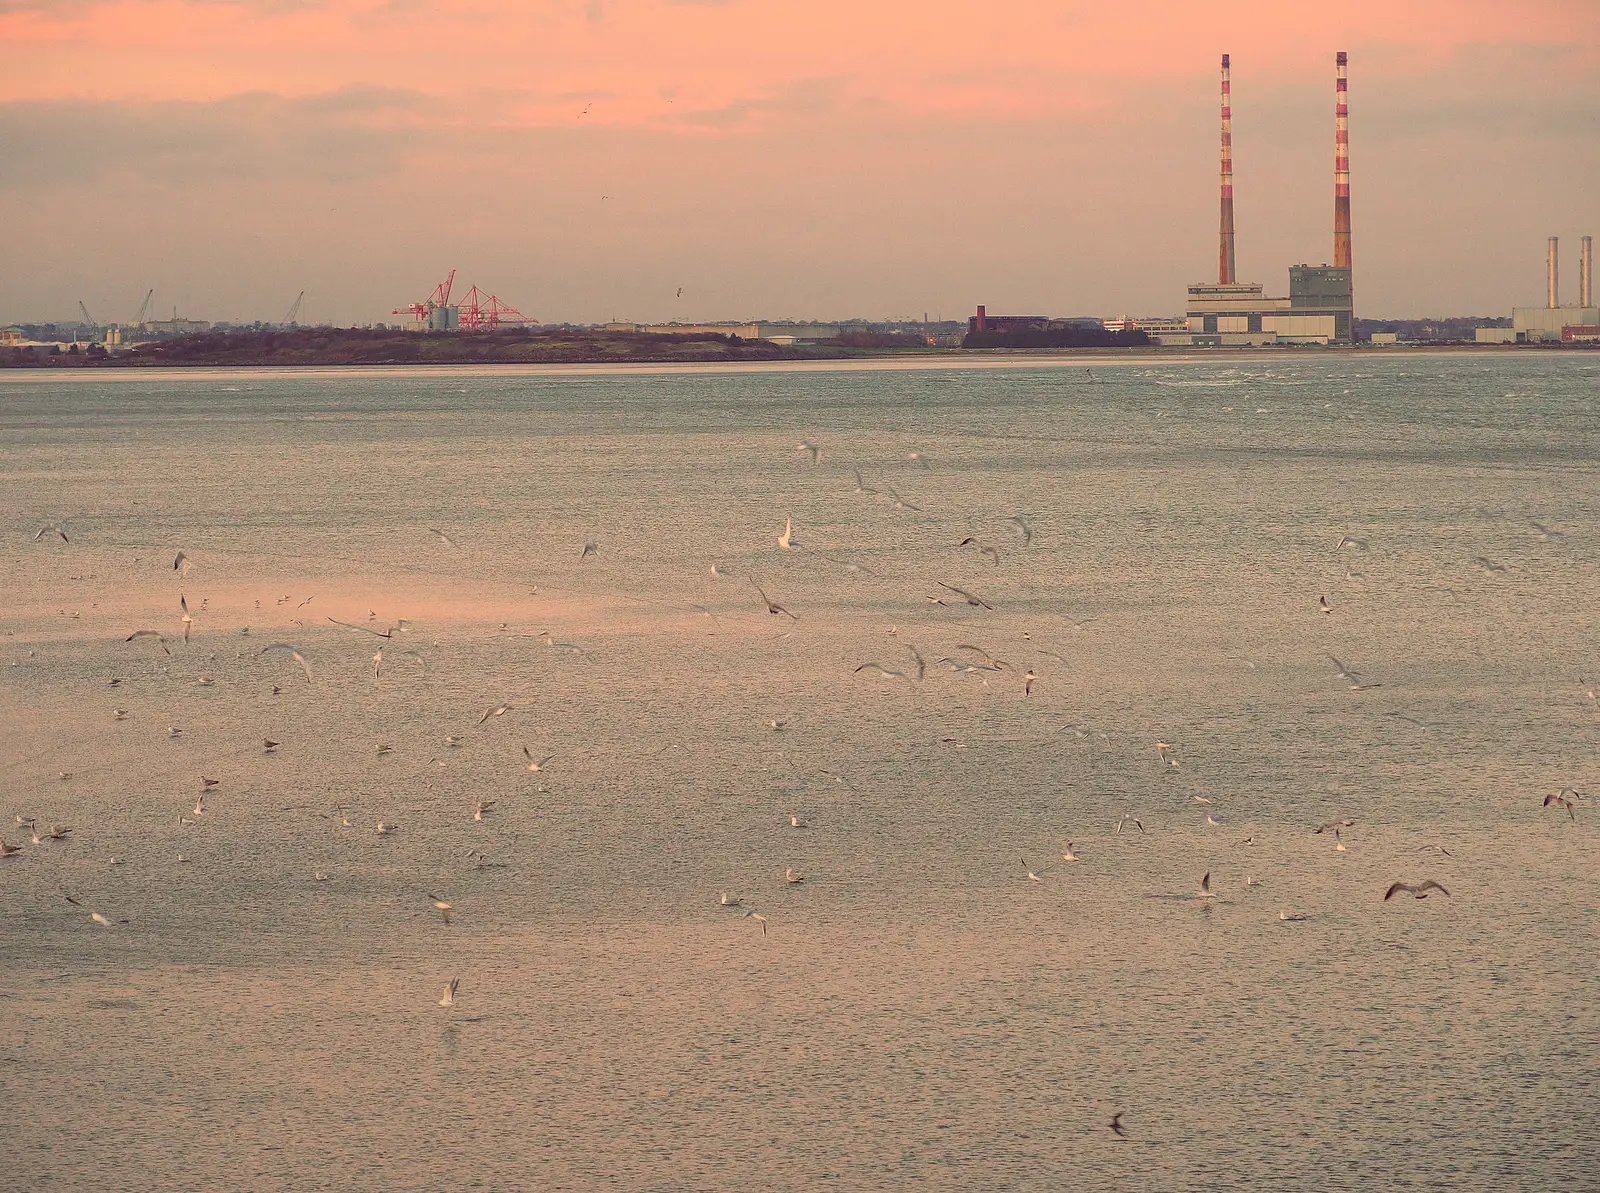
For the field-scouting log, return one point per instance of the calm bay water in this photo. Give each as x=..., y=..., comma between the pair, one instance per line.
x=917, y=1013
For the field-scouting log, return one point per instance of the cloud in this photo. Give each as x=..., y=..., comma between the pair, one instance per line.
x=339, y=136
x=802, y=97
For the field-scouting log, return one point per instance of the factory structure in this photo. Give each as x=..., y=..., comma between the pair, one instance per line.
x=1320, y=305
x=1554, y=323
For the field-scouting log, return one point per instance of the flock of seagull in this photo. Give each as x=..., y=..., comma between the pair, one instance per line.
x=966, y=659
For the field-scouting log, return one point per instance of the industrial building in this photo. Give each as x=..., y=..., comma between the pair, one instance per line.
x=1554, y=323
x=1320, y=306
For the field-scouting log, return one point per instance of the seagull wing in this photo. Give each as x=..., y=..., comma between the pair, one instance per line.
x=294, y=653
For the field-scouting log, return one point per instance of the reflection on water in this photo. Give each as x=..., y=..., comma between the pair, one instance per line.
x=917, y=1012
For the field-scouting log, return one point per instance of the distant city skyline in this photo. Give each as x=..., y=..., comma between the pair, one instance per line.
x=587, y=161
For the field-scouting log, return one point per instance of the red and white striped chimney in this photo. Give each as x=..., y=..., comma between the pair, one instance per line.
x=1341, y=165
x=1225, y=267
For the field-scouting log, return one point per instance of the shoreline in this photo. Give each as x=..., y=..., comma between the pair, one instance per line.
x=858, y=360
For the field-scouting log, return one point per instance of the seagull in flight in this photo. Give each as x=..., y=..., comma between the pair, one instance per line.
x=883, y=671
x=1420, y=890
x=156, y=634
x=1562, y=801
x=448, y=999
x=861, y=485
x=1032, y=877
x=900, y=503
x=992, y=552
x=786, y=540
x=1067, y=855
x=1130, y=818
x=442, y=907
x=1024, y=528
x=180, y=564
x=1351, y=541
x=350, y=625
x=536, y=764
x=975, y=602
x=1357, y=684
x=808, y=446
x=1205, y=891
x=1116, y=1126
x=1322, y=604
x=589, y=548
x=499, y=710
x=758, y=918
x=772, y=606
x=294, y=653
x=44, y=530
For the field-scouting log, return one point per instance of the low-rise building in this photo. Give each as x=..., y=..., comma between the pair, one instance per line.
x=1165, y=330
x=1534, y=325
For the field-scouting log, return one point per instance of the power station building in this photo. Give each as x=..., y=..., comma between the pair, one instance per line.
x=1320, y=308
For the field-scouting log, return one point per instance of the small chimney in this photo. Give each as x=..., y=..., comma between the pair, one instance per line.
x=1341, y=163
x=983, y=320
x=1553, y=268
x=1586, y=274
x=1225, y=266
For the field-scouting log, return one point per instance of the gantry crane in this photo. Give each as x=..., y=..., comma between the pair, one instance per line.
x=418, y=311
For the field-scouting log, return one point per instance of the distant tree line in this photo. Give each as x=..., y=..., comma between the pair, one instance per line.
x=1075, y=336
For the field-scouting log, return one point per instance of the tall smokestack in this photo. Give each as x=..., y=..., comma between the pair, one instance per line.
x=1553, y=268
x=1225, y=267
x=1586, y=273
x=1341, y=165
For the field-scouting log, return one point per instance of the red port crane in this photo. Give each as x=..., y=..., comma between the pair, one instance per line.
x=485, y=312
x=418, y=311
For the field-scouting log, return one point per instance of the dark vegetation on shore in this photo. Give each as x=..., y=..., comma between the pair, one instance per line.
x=360, y=346
x=1056, y=337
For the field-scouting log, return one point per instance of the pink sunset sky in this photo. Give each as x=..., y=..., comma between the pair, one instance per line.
x=585, y=159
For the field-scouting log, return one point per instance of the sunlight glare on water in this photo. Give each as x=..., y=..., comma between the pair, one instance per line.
x=916, y=1013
